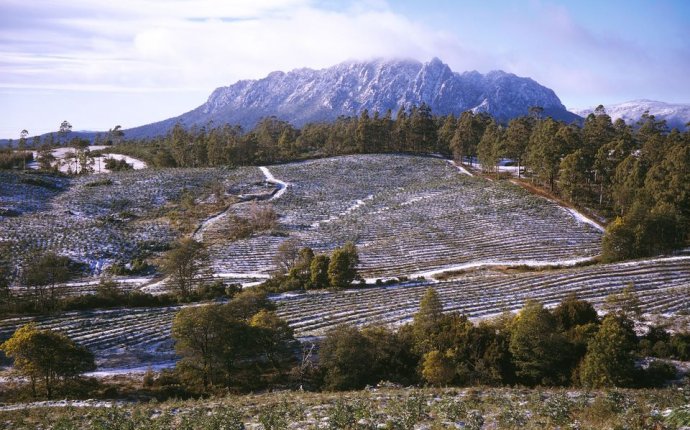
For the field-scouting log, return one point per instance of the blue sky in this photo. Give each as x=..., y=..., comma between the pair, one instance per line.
x=101, y=63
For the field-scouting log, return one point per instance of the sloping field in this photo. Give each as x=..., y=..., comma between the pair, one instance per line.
x=136, y=338
x=98, y=222
x=409, y=215
x=118, y=338
x=663, y=286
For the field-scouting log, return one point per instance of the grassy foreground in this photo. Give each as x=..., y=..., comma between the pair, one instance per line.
x=389, y=408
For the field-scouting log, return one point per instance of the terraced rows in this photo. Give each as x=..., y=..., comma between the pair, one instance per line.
x=117, y=337
x=663, y=286
x=410, y=214
x=99, y=225
x=141, y=337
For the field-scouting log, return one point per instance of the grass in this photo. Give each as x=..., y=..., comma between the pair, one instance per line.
x=429, y=408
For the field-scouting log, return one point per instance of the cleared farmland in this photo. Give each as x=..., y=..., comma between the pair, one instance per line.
x=407, y=215
x=663, y=286
x=98, y=222
x=136, y=338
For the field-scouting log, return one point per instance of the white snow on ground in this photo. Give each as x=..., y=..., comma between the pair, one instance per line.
x=652, y=260
x=62, y=155
x=486, y=264
x=114, y=371
x=199, y=233
x=460, y=168
x=60, y=404
x=358, y=204
x=584, y=219
x=271, y=179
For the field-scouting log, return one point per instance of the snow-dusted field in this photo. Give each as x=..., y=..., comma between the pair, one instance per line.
x=663, y=286
x=129, y=340
x=65, y=161
x=96, y=222
x=409, y=215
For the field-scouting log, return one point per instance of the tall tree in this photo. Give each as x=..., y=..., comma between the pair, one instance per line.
x=342, y=268
x=610, y=359
x=47, y=272
x=184, y=264
x=427, y=321
x=64, y=131
x=539, y=351
x=549, y=143
x=22, y=146
x=490, y=148
x=517, y=139
x=46, y=357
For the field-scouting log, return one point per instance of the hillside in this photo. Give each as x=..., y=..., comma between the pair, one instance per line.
x=305, y=95
x=677, y=115
x=413, y=217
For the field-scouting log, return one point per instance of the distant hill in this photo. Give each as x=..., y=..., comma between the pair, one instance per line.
x=305, y=95
x=676, y=115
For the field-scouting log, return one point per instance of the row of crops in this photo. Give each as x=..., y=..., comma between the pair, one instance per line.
x=118, y=337
x=140, y=337
x=408, y=214
x=103, y=219
x=663, y=286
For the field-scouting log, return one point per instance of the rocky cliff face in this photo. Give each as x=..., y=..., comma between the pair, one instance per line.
x=306, y=95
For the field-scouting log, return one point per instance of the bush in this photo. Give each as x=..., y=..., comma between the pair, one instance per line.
x=658, y=373
x=115, y=165
x=99, y=183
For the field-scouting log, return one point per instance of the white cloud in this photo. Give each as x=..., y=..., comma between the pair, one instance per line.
x=199, y=44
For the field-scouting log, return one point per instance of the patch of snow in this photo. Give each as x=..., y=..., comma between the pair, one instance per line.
x=487, y=264
x=282, y=186
x=460, y=168
x=60, y=404
x=114, y=371
x=584, y=219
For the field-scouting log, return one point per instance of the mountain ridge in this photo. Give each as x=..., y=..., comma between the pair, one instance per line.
x=305, y=95
x=675, y=114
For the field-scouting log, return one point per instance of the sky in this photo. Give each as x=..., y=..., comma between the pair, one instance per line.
x=101, y=63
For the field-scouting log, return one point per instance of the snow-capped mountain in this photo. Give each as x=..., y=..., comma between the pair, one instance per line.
x=306, y=95
x=676, y=115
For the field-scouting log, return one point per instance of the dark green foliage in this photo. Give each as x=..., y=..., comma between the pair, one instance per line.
x=609, y=361
x=572, y=312
x=342, y=268
x=14, y=159
x=540, y=352
x=115, y=165
x=345, y=359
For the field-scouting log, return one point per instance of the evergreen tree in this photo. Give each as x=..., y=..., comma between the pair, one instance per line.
x=490, y=148
x=342, y=268
x=572, y=177
x=540, y=352
x=427, y=321
x=319, y=271
x=517, y=139
x=610, y=360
